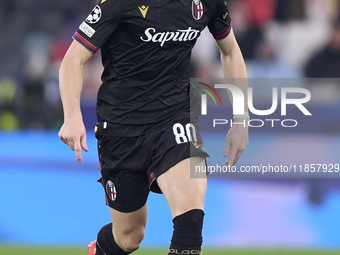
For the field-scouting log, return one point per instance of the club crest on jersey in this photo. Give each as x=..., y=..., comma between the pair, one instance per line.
x=111, y=190
x=197, y=9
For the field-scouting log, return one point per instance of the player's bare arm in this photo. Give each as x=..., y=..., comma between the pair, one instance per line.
x=73, y=131
x=234, y=67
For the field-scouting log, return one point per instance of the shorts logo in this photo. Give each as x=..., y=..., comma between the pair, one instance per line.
x=86, y=29
x=197, y=9
x=111, y=190
x=95, y=15
x=196, y=144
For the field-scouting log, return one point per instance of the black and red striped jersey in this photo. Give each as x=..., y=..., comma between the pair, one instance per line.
x=146, y=47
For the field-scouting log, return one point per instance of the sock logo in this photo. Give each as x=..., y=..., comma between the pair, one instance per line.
x=175, y=251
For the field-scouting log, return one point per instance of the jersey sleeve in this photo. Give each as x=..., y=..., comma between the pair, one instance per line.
x=220, y=24
x=99, y=25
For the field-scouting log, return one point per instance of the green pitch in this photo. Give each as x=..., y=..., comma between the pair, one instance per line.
x=10, y=250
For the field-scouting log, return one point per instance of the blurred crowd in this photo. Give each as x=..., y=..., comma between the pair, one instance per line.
x=278, y=38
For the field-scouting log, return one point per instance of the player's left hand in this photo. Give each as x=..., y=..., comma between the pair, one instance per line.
x=73, y=134
x=236, y=143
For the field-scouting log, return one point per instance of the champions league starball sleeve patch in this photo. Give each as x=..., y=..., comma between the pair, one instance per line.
x=99, y=25
x=95, y=15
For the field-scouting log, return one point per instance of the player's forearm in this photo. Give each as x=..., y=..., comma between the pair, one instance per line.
x=71, y=80
x=234, y=68
x=70, y=85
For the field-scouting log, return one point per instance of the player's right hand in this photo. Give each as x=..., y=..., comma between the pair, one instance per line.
x=73, y=134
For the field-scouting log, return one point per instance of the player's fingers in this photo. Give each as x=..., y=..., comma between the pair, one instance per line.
x=61, y=137
x=77, y=148
x=70, y=143
x=83, y=143
x=231, y=161
x=238, y=152
x=238, y=155
x=227, y=149
x=63, y=140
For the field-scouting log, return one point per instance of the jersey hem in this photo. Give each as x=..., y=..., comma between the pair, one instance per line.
x=84, y=42
x=224, y=34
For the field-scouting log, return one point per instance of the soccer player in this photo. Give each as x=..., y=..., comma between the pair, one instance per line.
x=147, y=138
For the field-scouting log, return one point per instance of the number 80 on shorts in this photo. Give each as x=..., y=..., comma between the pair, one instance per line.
x=184, y=134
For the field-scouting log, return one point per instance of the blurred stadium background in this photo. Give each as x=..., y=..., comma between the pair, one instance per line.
x=47, y=199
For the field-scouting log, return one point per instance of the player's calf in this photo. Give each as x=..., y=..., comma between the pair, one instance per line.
x=187, y=235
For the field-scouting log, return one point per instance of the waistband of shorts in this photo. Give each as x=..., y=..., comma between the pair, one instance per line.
x=104, y=128
x=121, y=130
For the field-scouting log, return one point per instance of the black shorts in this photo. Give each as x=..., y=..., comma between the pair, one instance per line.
x=130, y=165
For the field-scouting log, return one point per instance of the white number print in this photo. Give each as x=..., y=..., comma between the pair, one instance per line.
x=184, y=135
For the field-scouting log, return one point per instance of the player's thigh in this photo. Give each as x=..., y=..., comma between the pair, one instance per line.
x=129, y=226
x=182, y=191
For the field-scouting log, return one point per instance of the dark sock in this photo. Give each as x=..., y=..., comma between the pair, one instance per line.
x=106, y=244
x=187, y=235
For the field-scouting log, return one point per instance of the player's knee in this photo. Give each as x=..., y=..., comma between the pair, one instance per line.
x=192, y=219
x=188, y=228
x=130, y=241
x=129, y=245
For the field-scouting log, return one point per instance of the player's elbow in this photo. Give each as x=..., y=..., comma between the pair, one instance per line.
x=70, y=63
x=75, y=57
x=232, y=52
x=70, y=68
